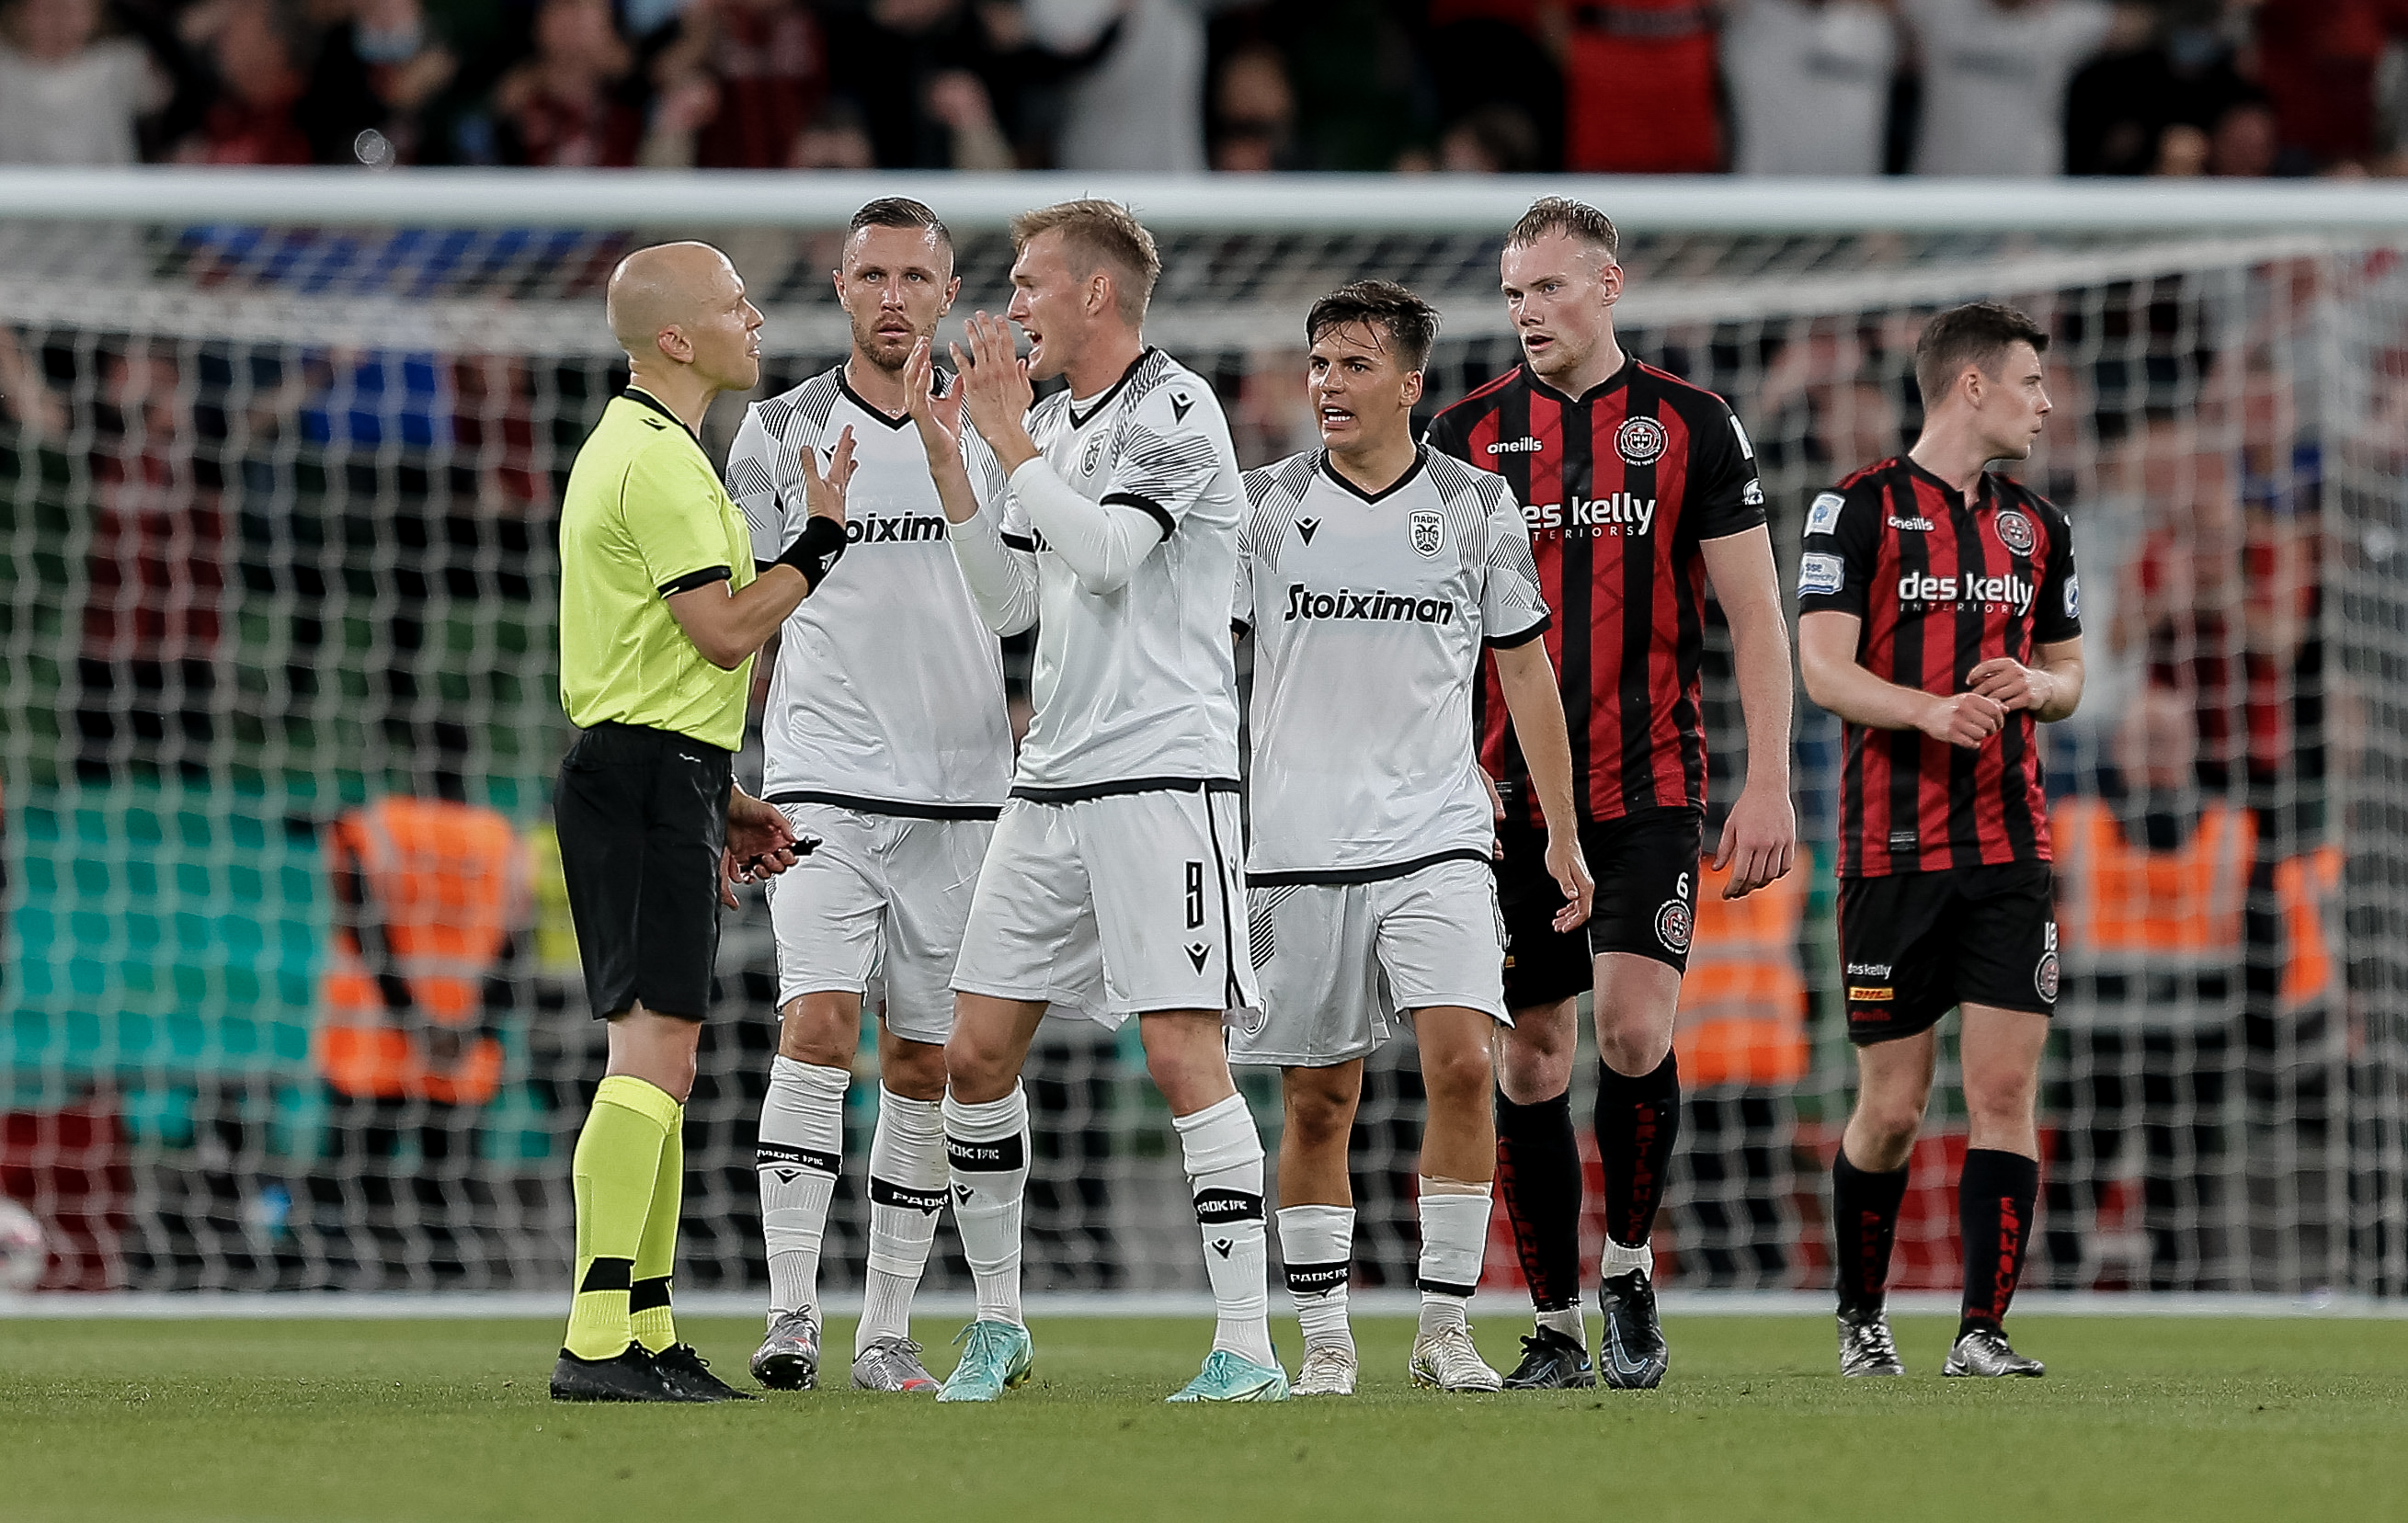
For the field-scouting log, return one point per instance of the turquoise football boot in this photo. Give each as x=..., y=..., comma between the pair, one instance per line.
x=1233, y=1377
x=996, y=1359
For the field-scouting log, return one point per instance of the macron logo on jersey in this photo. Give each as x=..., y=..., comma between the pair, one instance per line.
x=1383, y=606
x=2010, y=590
x=1621, y=512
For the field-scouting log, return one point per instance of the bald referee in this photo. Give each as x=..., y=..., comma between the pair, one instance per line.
x=660, y=615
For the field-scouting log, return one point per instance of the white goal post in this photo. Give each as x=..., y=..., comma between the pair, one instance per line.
x=279, y=452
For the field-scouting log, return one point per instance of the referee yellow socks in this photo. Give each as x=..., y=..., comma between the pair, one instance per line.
x=648, y=1299
x=617, y=1166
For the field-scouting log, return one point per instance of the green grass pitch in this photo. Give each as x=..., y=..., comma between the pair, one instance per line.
x=2185, y=1419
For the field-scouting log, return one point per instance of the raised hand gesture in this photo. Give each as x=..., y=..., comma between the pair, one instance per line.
x=938, y=418
x=823, y=494
x=995, y=385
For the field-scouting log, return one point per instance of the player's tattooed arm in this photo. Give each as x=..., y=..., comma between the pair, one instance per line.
x=1826, y=658
x=1537, y=706
x=1760, y=839
x=2051, y=689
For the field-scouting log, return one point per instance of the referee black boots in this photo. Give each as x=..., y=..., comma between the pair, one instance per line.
x=631, y=1376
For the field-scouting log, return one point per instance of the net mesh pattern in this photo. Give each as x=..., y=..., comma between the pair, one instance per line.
x=278, y=511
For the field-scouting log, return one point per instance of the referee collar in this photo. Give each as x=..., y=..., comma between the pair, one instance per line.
x=1620, y=378
x=644, y=398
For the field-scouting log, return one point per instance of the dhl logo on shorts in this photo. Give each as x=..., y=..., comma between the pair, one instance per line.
x=1869, y=993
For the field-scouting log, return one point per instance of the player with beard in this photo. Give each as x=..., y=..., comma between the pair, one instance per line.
x=1639, y=487
x=1112, y=889
x=1940, y=618
x=887, y=745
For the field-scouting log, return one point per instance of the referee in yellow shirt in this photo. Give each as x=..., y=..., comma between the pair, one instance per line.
x=660, y=616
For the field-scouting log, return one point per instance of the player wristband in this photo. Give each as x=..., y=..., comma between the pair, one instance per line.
x=816, y=550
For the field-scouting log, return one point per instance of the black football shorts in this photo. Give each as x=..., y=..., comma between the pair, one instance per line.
x=643, y=818
x=1915, y=944
x=1645, y=866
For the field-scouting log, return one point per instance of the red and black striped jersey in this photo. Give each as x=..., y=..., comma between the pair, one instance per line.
x=1942, y=585
x=1619, y=488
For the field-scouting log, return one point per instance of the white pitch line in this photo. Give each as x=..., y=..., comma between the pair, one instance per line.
x=485, y=1305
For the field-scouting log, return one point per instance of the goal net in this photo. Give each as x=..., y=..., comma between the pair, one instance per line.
x=280, y=475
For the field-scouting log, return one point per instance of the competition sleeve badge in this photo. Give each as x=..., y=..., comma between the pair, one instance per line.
x=1427, y=527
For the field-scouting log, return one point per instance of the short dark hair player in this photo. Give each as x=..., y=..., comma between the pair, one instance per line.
x=1938, y=617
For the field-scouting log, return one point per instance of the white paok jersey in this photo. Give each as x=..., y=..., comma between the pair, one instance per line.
x=1137, y=685
x=1369, y=611
x=888, y=694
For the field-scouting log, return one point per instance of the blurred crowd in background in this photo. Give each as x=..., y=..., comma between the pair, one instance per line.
x=1822, y=87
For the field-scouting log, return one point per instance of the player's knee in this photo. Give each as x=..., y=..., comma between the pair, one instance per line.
x=822, y=1030
x=1633, y=1049
x=1319, y=1115
x=1456, y=1078
x=1888, y=1123
x=1534, y=1066
x=976, y=1070
x=915, y=1070
x=2002, y=1100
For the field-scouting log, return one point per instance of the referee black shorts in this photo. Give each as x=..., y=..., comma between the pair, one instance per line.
x=643, y=818
x=1645, y=866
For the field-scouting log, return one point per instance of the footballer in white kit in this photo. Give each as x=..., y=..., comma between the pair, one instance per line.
x=1372, y=576
x=887, y=744
x=1112, y=887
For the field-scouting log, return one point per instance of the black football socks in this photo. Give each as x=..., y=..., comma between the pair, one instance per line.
x=1864, y=1224
x=1539, y=1178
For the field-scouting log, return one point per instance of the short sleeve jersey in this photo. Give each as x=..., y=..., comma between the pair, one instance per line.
x=888, y=692
x=1137, y=686
x=1942, y=585
x=645, y=517
x=1619, y=486
x=1369, y=611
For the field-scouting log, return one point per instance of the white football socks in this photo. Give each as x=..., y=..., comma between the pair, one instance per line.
x=1224, y=1168
x=986, y=1151
x=801, y=1151
x=1455, y=1238
x=1621, y=1258
x=907, y=1190
x=1566, y=1322
x=1317, y=1246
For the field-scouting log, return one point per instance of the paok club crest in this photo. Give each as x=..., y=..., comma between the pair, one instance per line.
x=1427, y=527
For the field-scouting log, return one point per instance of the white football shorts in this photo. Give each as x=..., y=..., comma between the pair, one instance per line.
x=1340, y=963
x=1112, y=906
x=877, y=909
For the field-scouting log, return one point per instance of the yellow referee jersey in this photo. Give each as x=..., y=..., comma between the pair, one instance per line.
x=645, y=516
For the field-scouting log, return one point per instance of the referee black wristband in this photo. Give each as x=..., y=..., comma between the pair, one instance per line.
x=816, y=550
